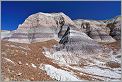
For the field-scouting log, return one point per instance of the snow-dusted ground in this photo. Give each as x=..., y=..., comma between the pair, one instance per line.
x=62, y=57
x=99, y=72
x=55, y=56
x=59, y=74
x=113, y=57
x=96, y=68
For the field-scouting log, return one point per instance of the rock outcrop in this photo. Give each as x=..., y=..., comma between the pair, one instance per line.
x=40, y=27
x=97, y=30
x=115, y=27
x=73, y=45
x=46, y=20
x=45, y=26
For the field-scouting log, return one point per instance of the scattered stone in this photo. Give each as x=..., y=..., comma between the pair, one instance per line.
x=20, y=63
x=19, y=74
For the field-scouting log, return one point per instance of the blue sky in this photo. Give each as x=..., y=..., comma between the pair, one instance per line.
x=15, y=12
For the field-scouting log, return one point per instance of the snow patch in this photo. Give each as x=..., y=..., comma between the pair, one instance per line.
x=99, y=72
x=59, y=74
x=62, y=57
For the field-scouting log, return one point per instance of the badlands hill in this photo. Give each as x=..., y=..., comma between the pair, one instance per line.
x=51, y=46
x=102, y=30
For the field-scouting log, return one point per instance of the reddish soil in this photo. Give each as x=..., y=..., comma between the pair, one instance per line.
x=113, y=64
x=114, y=46
x=23, y=59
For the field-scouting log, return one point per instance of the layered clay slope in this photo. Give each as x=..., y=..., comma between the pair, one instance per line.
x=46, y=26
x=53, y=47
x=40, y=27
x=101, y=31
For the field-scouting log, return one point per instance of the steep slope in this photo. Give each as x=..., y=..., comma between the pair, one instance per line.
x=40, y=27
x=97, y=30
x=115, y=27
x=81, y=55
